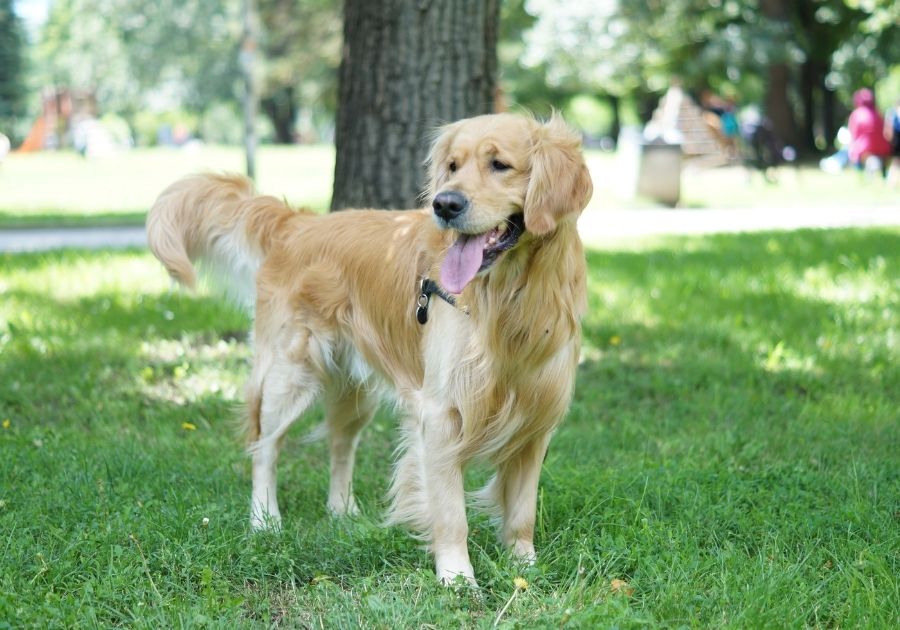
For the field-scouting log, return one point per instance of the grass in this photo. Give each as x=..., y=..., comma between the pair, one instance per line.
x=53, y=188
x=63, y=188
x=731, y=456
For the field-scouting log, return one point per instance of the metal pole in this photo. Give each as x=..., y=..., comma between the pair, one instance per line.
x=247, y=60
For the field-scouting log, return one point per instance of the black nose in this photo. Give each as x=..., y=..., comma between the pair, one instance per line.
x=449, y=204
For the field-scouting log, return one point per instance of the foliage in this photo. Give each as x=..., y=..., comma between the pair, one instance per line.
x=141, y=54
x=870, y=52
x=300, y=42
x=184, y=49
x=148, y=123
x=637, y=48
x=619, y=47
x=729, y=459
x=171, y=55
x=523, y=85
x=222, y=124
x=12, y=68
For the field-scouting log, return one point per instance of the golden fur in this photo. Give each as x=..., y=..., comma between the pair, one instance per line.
x=334, y=300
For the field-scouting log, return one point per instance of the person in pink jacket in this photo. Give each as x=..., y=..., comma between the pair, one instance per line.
x=866, y=130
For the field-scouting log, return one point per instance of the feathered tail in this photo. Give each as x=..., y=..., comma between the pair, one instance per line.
x=219, y=220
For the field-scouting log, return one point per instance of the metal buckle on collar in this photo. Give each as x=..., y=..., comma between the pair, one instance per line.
x=427, y=288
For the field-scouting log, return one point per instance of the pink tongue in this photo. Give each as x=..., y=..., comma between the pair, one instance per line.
x=462, y=262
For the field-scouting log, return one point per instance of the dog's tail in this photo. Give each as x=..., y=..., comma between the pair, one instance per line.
x=218, y=220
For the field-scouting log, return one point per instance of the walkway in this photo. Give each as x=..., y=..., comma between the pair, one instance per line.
x=595, y=227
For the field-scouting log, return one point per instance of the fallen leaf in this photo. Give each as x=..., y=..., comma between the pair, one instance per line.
x=621, y=587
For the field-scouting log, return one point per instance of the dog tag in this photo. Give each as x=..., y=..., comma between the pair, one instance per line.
x=422, y=309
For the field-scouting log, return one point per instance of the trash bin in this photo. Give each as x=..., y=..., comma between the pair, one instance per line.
x=652, y=168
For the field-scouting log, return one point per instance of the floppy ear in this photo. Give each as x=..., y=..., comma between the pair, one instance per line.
x=559, y=183
x=436, y=161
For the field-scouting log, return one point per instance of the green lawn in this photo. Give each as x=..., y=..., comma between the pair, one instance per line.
x=65, y=189
x=732, y=455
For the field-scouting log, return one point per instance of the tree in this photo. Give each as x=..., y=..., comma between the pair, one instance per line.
x=175, y=53
x=526, y=79
x=12, y=40
x=406, y=67
x=300, y=43
x=798, y=57
x=570, y=48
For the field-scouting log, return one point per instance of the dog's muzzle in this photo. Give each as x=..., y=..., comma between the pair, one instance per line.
x=449, y=204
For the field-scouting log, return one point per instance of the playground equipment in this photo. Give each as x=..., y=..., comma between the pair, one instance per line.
x=61, y=111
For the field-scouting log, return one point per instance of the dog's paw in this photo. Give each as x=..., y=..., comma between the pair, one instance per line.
x=455, y=570
x=458, y=581
x=523, y=551
x=340, y=508
x=265, y=522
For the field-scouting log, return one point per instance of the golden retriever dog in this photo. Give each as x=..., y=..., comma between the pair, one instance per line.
x=465, y=314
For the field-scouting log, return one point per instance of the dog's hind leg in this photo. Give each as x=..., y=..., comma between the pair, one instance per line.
x=348, y=409
x=285, y=392
x=514, y=489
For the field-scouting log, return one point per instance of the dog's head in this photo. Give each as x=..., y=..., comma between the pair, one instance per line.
x=495, y=178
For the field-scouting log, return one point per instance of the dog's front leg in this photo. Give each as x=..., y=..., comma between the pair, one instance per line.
x=445, y=496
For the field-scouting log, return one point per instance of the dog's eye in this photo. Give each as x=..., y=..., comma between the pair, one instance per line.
x=452, y=167
x=497, y=165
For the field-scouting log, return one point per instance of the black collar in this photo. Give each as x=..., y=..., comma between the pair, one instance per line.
x=427, y=288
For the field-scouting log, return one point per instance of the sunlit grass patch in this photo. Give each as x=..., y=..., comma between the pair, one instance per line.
x=49, y=186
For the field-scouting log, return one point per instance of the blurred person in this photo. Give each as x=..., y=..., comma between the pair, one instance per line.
x=713, y=109
x=892, y=135
x=868, y=146
x=720, y=115
x=765, y=150
x=838, y=161
x=731, y=129
x=5, y=146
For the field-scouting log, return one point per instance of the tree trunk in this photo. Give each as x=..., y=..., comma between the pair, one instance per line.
x=778, y=105
x=281, y=110
x=829, y=124
x=809, y=83
x=615, y=104
x=407, y=67
x=247, y=58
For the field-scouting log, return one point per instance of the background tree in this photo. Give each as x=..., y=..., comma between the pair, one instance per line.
x=12, y=84
x=136, y=55
x=800, y=58
x=300, y=44
x=523, y=76
x=406, y=67
x=570, y=49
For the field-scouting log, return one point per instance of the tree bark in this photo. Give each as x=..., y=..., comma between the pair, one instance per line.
x=829, y=124
x=809, y=84
x=247, y=58
x=616, y=129
x=407, y=67
x=778, y=105
x=281, y=110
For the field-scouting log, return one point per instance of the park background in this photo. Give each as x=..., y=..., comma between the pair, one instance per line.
x=731, y=457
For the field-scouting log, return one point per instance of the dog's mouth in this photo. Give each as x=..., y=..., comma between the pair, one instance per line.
x=473, y=253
